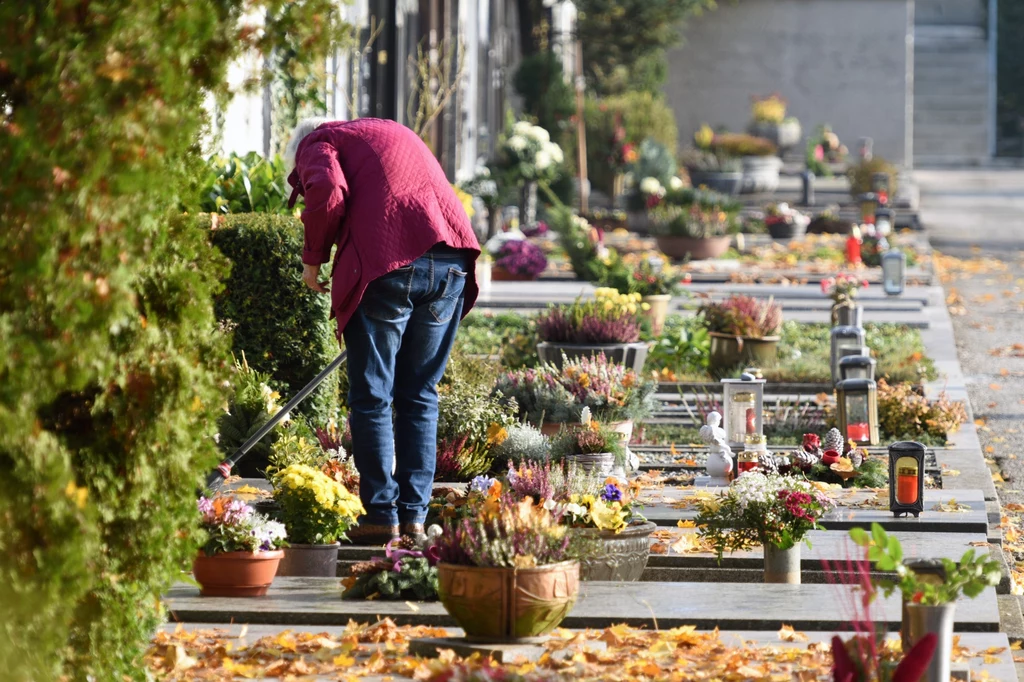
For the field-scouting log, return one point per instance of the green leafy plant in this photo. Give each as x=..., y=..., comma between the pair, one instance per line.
x=523, y=443
x=860, y=175
x=402, y=574
x=279, y=323
x=683, y=348
x=904, y=414
x=316, y=509
x=292, y=449
x=251, y=406
x=968, y=577
x=245, y=184
x=645, y=279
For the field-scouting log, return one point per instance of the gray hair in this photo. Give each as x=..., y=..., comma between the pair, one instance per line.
x=302, y=129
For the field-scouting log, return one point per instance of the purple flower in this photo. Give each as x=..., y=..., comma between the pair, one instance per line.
x=481, y=484
x=611, y=493
x=520, y=257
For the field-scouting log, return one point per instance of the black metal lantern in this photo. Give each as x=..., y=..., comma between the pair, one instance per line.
x=894, y=272
x=860, y=366
x=857, y=410
x=906, y=478
x=845, y=337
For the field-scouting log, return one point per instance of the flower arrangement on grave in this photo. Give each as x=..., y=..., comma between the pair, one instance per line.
x=546, y=480
x=230, y=525
x=521, y=258
x=743, y=316
x=608, y=318
x=612, y=508
x=842, y=289
x=835, y=462
x=524, y=443
x=593, y=438
x=403, y=573
x=824, y=148
x=761, y=510
x=694, y=221
x=483, y=186
x=315, y=508
x=782, y=214
x=653, y=173
x=529, y=155
x=770, y=109
x=609, y=391
x=647, y=277
x=742, y=144
x=470, y=424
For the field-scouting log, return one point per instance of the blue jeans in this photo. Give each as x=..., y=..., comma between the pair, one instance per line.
x=398, y=343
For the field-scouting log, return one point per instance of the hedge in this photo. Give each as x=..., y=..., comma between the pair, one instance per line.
x=279, y=323
x=110, y=358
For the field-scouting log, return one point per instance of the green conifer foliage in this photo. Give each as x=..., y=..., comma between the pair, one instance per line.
x=110, y=362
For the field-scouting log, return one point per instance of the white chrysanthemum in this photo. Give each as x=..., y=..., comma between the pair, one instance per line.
x=522, y=128
x=541, y=134
x=517, y=143
x=555, y=151
x=542, y=160
x=675, y=183
x=650, y=185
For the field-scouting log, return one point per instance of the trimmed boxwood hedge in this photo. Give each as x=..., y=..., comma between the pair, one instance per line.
x=279, y=323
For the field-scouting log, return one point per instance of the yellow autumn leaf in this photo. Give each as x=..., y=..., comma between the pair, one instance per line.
x=343, y=661
x=788, y=634
x=686, y=524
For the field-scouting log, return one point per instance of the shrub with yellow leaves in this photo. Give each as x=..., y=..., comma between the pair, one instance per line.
x=316, y=509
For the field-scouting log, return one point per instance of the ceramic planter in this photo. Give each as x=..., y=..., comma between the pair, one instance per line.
x=508, y=604
x=729, y=351
x=500, y=274
x=658, y=311
x=847, y=315
x=786, y=230
x=782, y=565
x=726, y=182
x=236, y=574
x=784, y=135
x=620, y=556
x=937, y=619
x=315, y=561
x=760, y=174
x=632, y=355
x=680, y=248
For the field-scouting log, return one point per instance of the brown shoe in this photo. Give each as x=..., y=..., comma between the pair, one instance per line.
x=373, y=534
x=414, y=531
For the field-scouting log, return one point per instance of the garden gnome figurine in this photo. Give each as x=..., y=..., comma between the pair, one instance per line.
x=719, y=465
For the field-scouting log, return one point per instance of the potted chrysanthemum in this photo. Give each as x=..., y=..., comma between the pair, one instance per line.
x=241, y=550
x=317, y=510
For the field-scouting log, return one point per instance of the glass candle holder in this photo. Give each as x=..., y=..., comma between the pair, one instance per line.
x=742, y=416
x=906, y=484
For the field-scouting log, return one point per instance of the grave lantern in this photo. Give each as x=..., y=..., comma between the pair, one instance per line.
x=906, y=478
x=880, y=184
x=894, y=272
x=857, y=410
x=743, y=407
x=845, y=337
x=860, y=366
x=868, y=207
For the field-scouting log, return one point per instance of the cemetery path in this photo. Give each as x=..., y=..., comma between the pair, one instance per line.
x=975, y=220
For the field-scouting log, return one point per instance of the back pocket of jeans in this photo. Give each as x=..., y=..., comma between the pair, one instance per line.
x=444, y=307
x=387, y=297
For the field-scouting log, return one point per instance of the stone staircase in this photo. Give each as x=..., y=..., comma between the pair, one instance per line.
x=952, y=81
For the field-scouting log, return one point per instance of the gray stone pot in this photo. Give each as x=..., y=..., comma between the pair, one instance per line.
x=782, y=565
x=315, y=561
x=848, y=315
x=785, y=135
x=601, y=463
x=621, y=556
x=937, y=619
x=632, y=355
x=726, y=182
x=760, y=174
x=793, y=230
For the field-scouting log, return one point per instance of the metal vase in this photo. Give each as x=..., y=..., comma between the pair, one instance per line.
x=782, y=565
x=937, y=619
x=315, y=561
x=847, y=315
x=527, y=204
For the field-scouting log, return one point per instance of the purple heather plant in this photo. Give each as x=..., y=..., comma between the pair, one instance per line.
x=520, y=257
x=584, y=324
x=743, y=316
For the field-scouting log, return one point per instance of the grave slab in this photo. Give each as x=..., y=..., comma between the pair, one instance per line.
x=317, y=602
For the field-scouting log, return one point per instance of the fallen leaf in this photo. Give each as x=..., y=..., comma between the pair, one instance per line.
x=787, y=634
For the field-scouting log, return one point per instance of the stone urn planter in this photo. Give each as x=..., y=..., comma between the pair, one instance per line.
x=760, y=174
x=500, y=274
x=729, y=351
x=236, y=574
x=508, y=604
x=620, y=556
x=632, y=355
x=782, y=565
x=784, y=135
x=938, y=620
x=726, y=182
x=657, y=311
x=314, y=561
x=680, y=248
x=847, y=315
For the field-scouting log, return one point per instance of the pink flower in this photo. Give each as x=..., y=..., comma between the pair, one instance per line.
x=827, y=284
x=864, y=283
x=819, y=153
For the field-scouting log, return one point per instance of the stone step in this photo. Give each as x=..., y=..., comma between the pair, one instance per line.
x=933, y=146
x=975, y=58
x=976, y=85
x=945, y=12
x=949, y=36
x=317, y=601
x=988, y=655
x=943, y=117
x=950, y=102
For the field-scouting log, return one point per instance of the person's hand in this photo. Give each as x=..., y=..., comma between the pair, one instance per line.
x=311, y=276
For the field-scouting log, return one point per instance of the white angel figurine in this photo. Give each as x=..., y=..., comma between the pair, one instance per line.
x=719, y=464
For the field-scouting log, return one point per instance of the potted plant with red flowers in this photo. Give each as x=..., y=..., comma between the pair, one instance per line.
x=241, y=551
x=784, y=222
x=743, y=330
x=518, y=260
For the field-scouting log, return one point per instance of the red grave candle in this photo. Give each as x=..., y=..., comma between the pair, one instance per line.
x=859, y=432
x=751, y=421
x=853, y=250
x=906, y=485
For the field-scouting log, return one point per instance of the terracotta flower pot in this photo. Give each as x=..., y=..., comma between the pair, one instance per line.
x=316, y=561
x=658, y=311
x=508, y=604
x=620, y=556
x=500, y=274
x=236, y=574
x=679, y=248
x=729, y=351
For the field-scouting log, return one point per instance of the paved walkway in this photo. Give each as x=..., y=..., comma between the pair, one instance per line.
x=978, y=216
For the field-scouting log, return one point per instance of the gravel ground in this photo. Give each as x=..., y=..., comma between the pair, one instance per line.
x=976, y=217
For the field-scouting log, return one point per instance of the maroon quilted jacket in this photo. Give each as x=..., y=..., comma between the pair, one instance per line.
x=373, y=188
